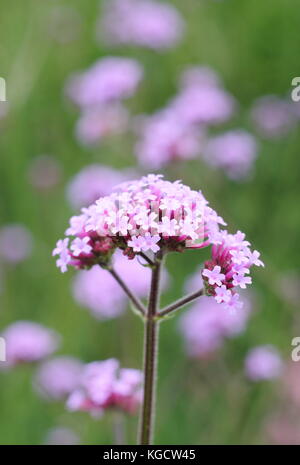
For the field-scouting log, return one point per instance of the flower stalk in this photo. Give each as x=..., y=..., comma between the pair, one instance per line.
x=133, y=298
x=151, y=329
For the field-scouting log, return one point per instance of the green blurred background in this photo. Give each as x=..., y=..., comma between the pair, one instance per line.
x=254, y=45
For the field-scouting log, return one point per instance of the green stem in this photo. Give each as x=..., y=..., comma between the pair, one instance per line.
x=150, y=358
x=134, y=299
x=180, y=303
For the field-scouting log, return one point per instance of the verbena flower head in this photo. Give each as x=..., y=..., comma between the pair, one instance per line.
x=207, y=324
x=145, y=215
x=98, y=291
x=164, y=138
x=96, y=123
x=150, y=215
x=263, y=363
x=108, y=80
x=105, y=385
x=27, y=341
x=232, y=151
x=57, y=378
x=145, y=23
x=229, y=267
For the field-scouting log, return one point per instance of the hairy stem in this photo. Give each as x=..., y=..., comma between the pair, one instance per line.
x=150, y=358
x=180, y=303
x=146, y=258
x=134, y=299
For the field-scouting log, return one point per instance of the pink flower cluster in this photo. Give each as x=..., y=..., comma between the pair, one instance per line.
x=178, y=131
x=228, y=268
x=146, y=23
x=207, y=324
x=110, y=79
x=165, y=138
x=58, y=377
x=27, y=341
x=202, y=99
x=263, y=363
x=143, y=216
x=105, y=385
x=98, y=291
x=98, y=91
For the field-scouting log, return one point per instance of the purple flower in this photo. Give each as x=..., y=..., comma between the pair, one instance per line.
x=263, y=363
x=80, y=246
x=164, y=138
x=108, y=80
x=222, y=294
x=273, y=116
x=214, y=276
x=196, y=76
x=27, y=341
x=104, y=385
x=241, y=280
x=203, y=104
x=15, y=243
x=145, y=23
x=133, y=216
x=231, y=258
x=96, y=123
x=58, y=377
x=142, y=216
x=232, y=151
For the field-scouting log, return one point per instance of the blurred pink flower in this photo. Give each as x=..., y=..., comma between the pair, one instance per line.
x=284, y=429
x=164, y=138
x=233, y=151
x=93, y=182
x=273, y=116
x=97, y=290
x=105, y=385
x=15, y=243
x=108, y=80
x=207, y=324
x=202, y=101
x=44, y=172
x=58, y=377
x=199, y=76
x=62, y=437
x=263, y=363
x=291, y=382
x=99, y=122
x=145, y=23
x=27, y=341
